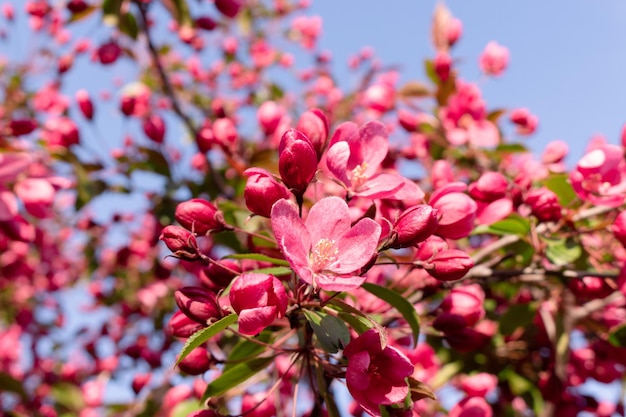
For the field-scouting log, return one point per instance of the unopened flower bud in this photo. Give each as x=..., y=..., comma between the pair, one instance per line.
x=140, y=381
x=225, y=132
x=205, y=23
x=297, y=161
x=182, y=326
x=268, y=115
x=619, y=228
x=443, y=64
x=180, y=241
x=258, y=299
x=108, y=52
x=457, y=211
x=544, y=204
x=198, y=304
x=414, y=225
x=19, y=127
x=450, y=265
x=200, y=216
x=313, y=123
x=197, y=362
x=127, y=105
x=85, y=104
x=262, y=191
x=490, y=186
x=154, y=128
x=467, y=302
x=229, y=8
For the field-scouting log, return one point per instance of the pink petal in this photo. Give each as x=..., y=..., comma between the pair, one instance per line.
x=330, y=282
x=344, y=131
x=357, y=373
x=356, y=248
x=291, y=233
x=337, y=161
x=8, y=205
x=496, y=210
x=253, y=320
x=370, y=147
x=328, y=219
x=12, y=164
x=380, y=186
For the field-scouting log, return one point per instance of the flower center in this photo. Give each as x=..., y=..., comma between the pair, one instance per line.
x=324, y=253
x=358, y=175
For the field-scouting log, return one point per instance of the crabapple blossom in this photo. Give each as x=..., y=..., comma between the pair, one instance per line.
x=457, y=211
x=198, y=304
x=297, y=161
x=525, y=121
x=199, y=216
x=471, y=406
x=258, y=299
x=600, y=176
x=313, y=123
x=414, y=225
x=544, y=204
x=494, y=59
x=376, y=373
x=154, y=128
x=325, y=250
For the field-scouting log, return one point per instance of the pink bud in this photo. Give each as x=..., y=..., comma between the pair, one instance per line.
x=108, y=52
x=205, y=23
x=297, y=161
x=262, y=191
x=453, y=31
x=85, y=104
x=258, y=299
x=37, y=194
x=257, y=405
x=467, y=302
x=457, y=211
x=489, y=187
x=76, y=6
x=198, y=304
x=269, y=115
x=200, y=216
x=204, y=413
x=20, y=127
x=225, y=132
x=471, y=406
x=181, y=242
x=154, y=128
x=37, y=8
x=229, y=8
x=140, y=381
x=127, y=105
x=205, y=138
x=544, y=204
x=197, y=362
x=61, y=132
x=313, y=123
x=65, y=63
x=478, y=385
x=182, y=326
x=450, y=265
x=380, y=97
x=443, y=64
x=441, y=173
x=555, y=152
x=525, y=121
x=494, y=59
x=8, y=11
x=414, y=225
x=429, y=248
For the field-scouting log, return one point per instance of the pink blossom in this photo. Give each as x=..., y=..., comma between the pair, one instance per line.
x=471, y=407
x=262, y=191
x=376, y=374
x=325, y=250
x=37, y=194
x=525, y=121
x=269, y=115
x=478, y=385
x=599, y=177
x=258, y=299
x=457, y=210
x=494, y=59
x=354, y=157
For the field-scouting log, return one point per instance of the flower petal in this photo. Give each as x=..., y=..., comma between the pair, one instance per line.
x=356, y=248
x=253, y=320
x=337, y=161
x=370, y=147
x=291, y=233
x=328, y=219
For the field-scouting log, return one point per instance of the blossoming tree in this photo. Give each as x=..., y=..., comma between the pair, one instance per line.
x=207, y=262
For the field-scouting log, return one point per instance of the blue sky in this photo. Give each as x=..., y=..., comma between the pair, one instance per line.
x=568, y=63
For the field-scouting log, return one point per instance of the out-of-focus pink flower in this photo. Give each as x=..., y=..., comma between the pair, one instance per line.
x=443, y=65
x=489, y=187
x=555, y=152
x=446, y=29
x=259, y=404
x=197, y=362
x=262, y=191
x=619, y=227
x=268, y=115
x=308, y=28
x=544, y=204
x=297, y=161
x=85, y=104
x=599, y=177
x=379, y=97
x=471, y=407
x=525, y=121
x=108, y=52
x=325, y=250
x=182, y=326
x=494, y=59
x=37, y=194
x=258, y=299
x=354, y=157
x=229, y=8
x=60, y=132
x=20, y=127
x=376, y=374
x=154, y=128
x=93, y=392
x=478, y=385
x=13, y=164
x=457, y=211
x=441, y=173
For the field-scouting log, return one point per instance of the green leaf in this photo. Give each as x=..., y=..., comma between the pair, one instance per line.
x=80, y=16
x=517, y=383
x=201, y=336
x=246, y=349
x=111, y=11
x=445, y=374
x=235, y=376
x=359, y=321
x=518, y=315
x=68, y=395
x=559, y=184
x=185, y=408
x=514, y=224
x=332, y=333
x=258, y=257
x=399, y=303
x=276, y=271
x=181, y=13
x=562, y=251
x=128, y=24
x=10, y=384
x=617, y=336
x=511, y=148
